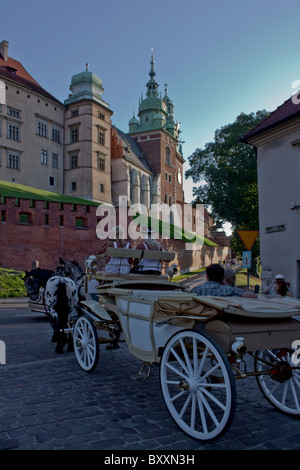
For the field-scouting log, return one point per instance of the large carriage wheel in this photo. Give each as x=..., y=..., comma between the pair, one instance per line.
x=198, y=385
x=86, y=343
x=280, y=384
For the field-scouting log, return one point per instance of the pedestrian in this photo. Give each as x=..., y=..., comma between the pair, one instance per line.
x=215, y=285
x=278, y=287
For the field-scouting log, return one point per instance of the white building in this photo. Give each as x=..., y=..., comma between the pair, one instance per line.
x=277, y=143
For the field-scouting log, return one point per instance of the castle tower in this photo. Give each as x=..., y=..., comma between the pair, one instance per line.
x=87, y=139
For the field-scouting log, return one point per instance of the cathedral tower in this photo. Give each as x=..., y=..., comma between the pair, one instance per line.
x=157, y=134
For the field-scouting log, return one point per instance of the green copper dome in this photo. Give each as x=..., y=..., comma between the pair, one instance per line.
x=86, y=86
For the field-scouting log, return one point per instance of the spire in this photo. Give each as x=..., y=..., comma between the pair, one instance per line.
x=152, y=62
x=152, y=85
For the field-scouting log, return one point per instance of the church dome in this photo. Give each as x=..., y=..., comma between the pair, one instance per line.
x=133, y=120
x=86, y=85
x=86, y=77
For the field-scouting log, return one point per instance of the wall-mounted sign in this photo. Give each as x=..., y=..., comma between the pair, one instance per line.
x=275, y=228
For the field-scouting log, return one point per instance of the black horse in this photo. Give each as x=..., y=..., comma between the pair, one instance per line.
x=35, y=280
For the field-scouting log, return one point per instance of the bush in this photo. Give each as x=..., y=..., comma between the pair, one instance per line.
x=12, y=283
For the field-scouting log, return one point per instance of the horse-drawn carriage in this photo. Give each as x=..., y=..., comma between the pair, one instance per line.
x=201, y=344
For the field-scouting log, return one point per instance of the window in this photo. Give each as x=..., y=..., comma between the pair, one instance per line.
x=166, y=176
x=13, y=132
x=101, y=188
x=44, y=157
x=51, y=181
x=74, y=135
x=54, y=160
x=56, y=135
x=168, y=155
x=25, y=218
x=101, y=116
x=170, y=178
x=3, y=216
x=13, y=112
x=74, y=112
x=73, y=186
x=80, y=222
x=74, y=161
x=101, y=162
x=41, y=129
x=61, y=220
x=101, y=137
x=46, y=219
x=13, y=161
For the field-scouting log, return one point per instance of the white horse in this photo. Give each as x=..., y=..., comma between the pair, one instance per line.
x=61, y=298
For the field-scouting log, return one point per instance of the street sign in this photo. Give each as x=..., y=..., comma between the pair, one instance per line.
x=248, y=237
x=247, y=259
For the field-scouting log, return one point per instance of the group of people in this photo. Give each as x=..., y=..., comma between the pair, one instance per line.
x=221, y=283
x=115, y=264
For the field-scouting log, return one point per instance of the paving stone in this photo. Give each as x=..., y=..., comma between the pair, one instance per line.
x=48, y=402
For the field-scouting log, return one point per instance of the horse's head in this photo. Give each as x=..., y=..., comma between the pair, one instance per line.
x=70, y=269
x=32, y=285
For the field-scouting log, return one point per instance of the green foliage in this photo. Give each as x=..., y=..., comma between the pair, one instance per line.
x=227, y=171
x=12, y=283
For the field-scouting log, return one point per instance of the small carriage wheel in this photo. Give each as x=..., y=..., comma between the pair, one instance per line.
x=198, y=385
x=86, y=343
x=279, y=385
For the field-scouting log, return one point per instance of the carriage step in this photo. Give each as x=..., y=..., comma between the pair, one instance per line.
x=142, y=375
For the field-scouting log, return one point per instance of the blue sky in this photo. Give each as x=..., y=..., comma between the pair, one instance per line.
x=218, y=57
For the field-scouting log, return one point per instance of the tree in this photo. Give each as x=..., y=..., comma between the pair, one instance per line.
x=227, y=171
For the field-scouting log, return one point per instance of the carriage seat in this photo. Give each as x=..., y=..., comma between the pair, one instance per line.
x=163, y=256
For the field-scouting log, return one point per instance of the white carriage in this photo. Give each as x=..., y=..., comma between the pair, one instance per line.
x=200, y=343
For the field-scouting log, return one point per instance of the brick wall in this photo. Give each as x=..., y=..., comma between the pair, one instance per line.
x=45, y=233
x=35, y=231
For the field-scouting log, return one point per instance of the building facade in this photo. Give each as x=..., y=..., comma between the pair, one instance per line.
x=31, y=129
x=277, y=143
x=72, y=148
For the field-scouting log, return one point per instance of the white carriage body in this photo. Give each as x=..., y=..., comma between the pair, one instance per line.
x=192, y=337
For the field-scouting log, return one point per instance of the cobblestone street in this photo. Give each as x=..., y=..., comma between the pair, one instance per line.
x=48, y=402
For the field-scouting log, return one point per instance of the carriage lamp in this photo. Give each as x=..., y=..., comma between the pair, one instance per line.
x=238, y=347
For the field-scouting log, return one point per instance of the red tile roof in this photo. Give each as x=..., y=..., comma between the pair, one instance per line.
x=14, y=71
x=288, y=110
